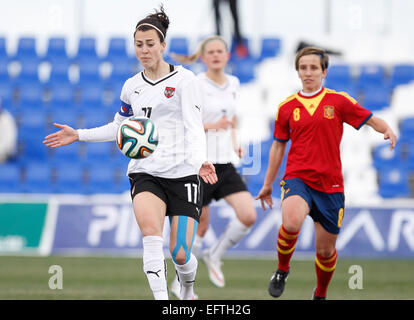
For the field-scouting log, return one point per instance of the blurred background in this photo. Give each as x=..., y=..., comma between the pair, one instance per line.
x=65, y=61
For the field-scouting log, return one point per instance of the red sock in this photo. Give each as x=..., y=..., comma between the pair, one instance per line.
x=286, y=243
x=325, y=268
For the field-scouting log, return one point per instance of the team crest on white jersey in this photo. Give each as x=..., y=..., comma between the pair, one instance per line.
x=169, y=92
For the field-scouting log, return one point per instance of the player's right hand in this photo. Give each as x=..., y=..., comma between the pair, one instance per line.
x=208, y=173
x=265, y=196
x=66, y=135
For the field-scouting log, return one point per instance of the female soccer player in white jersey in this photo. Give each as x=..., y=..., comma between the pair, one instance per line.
x=170, y=96
x=219, y=118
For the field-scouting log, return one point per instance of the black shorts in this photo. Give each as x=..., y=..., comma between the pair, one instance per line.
x=229, y=182
x=181, y=195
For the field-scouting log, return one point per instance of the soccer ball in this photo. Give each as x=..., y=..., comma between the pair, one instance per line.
x=137, y=137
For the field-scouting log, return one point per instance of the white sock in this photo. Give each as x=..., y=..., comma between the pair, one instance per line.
x=197, y=244
x=186, y=275
x=154, y=266
x=234, y=232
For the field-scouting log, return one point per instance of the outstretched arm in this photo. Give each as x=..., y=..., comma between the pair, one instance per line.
x=381, y=126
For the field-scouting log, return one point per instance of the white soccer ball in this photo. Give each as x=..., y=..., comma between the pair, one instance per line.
x=137, y=137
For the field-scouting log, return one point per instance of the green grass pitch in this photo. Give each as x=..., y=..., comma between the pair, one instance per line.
x=23, y=278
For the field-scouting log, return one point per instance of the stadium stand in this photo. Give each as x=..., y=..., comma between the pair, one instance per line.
x=56, y=50
x=402, y=74
x=270, y=48
x=9, y=177
x=78, y=93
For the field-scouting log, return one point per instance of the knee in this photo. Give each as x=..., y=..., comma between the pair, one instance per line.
x=180, y=259
x=248, y=218
x=325, y=251
x=292, y=223
x=181, y=256
x=150, y=231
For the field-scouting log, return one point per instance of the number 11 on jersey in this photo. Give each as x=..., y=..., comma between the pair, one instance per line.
x=189, y=193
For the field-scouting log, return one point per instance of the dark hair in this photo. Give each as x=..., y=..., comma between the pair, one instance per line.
x=158, y=21
x=313, y=50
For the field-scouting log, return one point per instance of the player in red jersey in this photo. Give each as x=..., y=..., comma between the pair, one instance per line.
x=313, y=184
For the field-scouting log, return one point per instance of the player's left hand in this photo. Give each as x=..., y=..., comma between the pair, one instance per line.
x=208, y=173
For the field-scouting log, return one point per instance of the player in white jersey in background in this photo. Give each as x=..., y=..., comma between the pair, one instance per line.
x=170, y=96
x=220, y=122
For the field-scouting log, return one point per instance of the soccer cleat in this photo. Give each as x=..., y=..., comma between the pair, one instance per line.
x=277, y=283
x=315, y=297
x=214, y=270
x=176, y=290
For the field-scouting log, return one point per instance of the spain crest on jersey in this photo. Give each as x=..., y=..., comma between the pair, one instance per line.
x=328, y=112
x=169, y=92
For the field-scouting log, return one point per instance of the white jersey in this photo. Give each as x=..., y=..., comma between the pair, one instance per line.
x=173, y=103
x=219, y=101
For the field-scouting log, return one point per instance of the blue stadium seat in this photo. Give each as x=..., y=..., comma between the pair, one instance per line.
x=120, y=161
x=101, y=178
x=384, y=158
x=99, y=152
x=33, y=124
x=59, y=73
x=33, y=148
x=122, y=69
x=3, y=48
x=67, y=116
x=244, y=69
x=270, y=48
x=56, y=49
x=339, y=76
x=38, y=178
x=407, y=141
x=6, y=94
x=402, y=74
x=9, y=177
x=69, y=154
x=86, y=48
x=409, y=161
x=394, y=183
x=351, y=89
x=30, y=96
x=89, y=70
x=121, y=184
x=96, y=119
x=4, y=62
x=26, y=49
x=372, y=76
x=233, y=47
x=407, y=126
x=376, y=98
x=117, y=49
x=91, y=97
x=69, y=178
x=29, y=72
x=4, y=69
x=113, y=96
x=61, y=97
x=179, y=45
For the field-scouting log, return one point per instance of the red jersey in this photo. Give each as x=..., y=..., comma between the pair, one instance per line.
x=315, y=126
